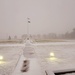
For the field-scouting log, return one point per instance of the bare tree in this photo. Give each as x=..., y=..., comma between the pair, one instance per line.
x=15, y=37
x=24, y=36
x=9, y=38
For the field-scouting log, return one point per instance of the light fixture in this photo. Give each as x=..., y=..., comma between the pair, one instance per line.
x=52, y=54
x=1, y=58
x=52, y=57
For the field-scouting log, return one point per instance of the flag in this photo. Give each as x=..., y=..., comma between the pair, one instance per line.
x=28, y=20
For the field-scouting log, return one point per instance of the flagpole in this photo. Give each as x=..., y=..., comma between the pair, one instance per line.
x=28, y=21
x=27, y=29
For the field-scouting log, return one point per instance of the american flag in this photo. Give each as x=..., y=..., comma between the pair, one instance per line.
x=28, y=20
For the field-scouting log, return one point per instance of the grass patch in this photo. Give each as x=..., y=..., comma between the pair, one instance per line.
x=10, y=41
x=50, y=40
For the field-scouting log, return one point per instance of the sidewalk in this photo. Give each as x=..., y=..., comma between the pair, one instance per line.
x=34, y=68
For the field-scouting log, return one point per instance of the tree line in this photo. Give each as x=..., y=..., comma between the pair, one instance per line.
x=67, y=35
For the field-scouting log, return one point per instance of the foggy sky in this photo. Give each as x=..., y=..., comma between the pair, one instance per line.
x=47, y=16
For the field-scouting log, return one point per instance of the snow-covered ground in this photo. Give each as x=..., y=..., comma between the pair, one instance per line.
x=34, y=67
x=64, y=56
x=64, y=59
x=11, y=56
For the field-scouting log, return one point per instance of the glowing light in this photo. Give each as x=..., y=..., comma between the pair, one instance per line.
x=2, y=62
x=53, y=58
x=1, y=57
x=52, y=54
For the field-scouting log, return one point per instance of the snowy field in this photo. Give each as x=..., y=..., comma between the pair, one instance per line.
x=11, y=56
x=63, y=60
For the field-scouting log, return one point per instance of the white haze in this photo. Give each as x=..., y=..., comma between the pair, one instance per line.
x=47, y=16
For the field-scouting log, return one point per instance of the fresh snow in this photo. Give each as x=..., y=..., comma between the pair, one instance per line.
x=34, y=68
x=13, y=58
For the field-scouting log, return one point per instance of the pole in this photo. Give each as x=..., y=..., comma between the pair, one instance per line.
x=27, y=29
x=28, y=21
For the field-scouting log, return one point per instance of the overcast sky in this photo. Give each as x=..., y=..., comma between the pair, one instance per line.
x=47, y=16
